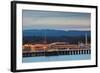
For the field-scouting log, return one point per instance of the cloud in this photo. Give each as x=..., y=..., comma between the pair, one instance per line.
x=55, y=20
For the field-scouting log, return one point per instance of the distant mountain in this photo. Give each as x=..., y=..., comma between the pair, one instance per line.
x=54, y=33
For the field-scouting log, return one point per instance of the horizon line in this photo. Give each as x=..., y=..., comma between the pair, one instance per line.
x=59, y=29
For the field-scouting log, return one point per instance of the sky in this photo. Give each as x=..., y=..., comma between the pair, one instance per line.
x=35, y=19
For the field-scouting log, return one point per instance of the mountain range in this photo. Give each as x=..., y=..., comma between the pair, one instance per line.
x=56, y=33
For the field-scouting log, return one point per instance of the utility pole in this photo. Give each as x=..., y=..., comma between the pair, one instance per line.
x=45, y=40
x=85, y=39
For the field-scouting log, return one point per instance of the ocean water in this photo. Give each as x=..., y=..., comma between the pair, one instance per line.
x=56, y=58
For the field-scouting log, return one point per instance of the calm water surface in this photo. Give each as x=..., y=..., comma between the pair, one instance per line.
x=56, y=58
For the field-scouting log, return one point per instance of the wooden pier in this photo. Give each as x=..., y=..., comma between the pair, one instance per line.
x=57, y=53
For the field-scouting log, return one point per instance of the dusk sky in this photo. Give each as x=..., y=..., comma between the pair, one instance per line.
x=34, y=19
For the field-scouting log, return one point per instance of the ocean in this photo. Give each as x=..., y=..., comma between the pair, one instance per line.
x=56, y=58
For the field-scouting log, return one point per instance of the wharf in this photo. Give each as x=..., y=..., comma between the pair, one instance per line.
x=57, y=53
